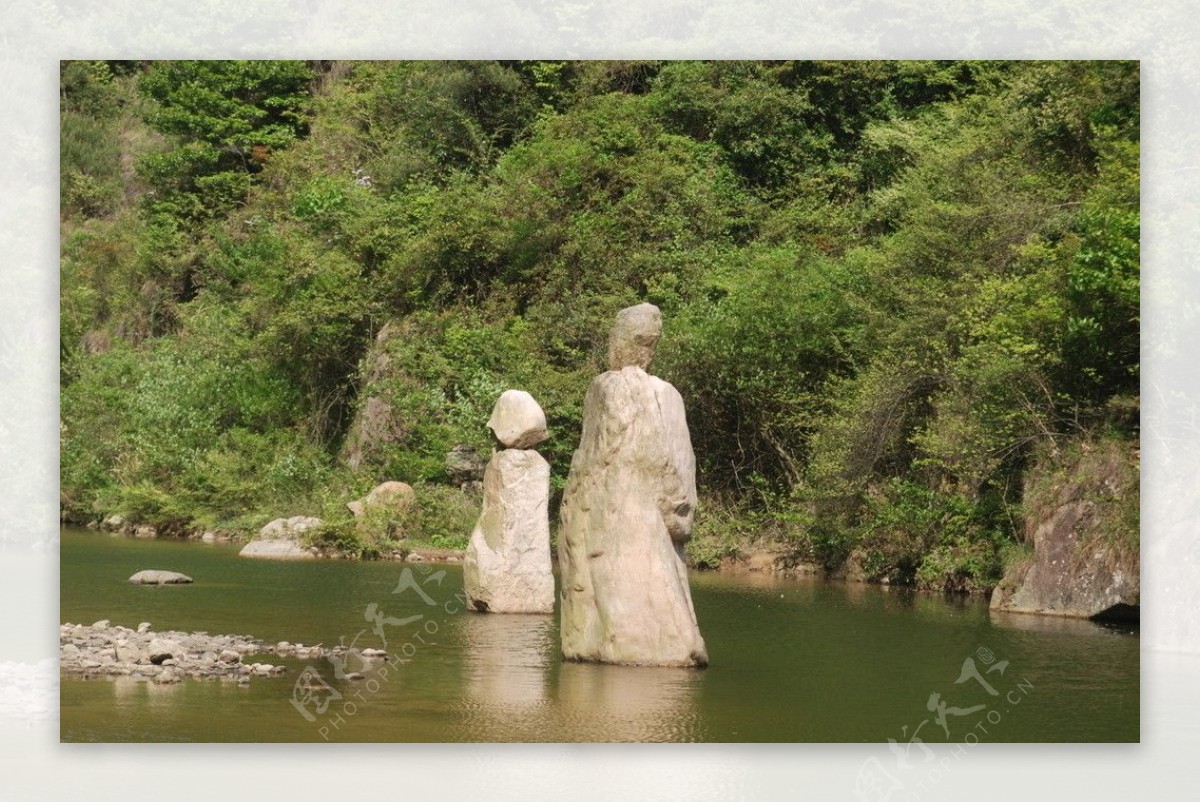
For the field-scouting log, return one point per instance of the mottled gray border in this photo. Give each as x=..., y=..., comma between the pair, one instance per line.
x=36, y=33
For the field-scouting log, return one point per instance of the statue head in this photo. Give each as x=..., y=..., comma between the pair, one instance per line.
x=517, y=420
x=634, y=336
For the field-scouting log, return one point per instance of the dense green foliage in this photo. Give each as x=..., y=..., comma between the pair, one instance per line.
x=887, y=286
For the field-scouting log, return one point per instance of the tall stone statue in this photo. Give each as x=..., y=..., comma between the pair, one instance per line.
x=507, y=565
x=627, y=512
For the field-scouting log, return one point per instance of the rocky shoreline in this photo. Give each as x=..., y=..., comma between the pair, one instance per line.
x=103, y=649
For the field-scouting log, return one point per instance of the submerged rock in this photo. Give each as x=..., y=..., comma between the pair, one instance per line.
x=158, y=577
x=506, y=568
x=626, y=514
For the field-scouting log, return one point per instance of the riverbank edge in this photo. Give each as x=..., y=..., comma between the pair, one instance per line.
x=771, y=558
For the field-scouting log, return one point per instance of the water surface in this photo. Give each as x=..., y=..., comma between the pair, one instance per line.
x=792, y=660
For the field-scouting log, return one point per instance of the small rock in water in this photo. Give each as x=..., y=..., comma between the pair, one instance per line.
x=144, y=627
x=101, y=625
x=230, y=657
x=159, y=577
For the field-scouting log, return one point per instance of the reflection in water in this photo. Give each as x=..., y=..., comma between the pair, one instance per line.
x=155, y=696
x=508, y=666
x=1064, y=625
x=629, y=703
x=505, y=666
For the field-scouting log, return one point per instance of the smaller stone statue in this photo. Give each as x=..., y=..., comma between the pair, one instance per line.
x=507, y=565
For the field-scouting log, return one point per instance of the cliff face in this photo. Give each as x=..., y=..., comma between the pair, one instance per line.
x=1082, y=521
x=376, y=424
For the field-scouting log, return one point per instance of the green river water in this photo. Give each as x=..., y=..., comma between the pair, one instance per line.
x=792, y=661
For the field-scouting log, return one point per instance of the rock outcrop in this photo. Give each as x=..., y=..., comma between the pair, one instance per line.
x=396, y=497
x=1085, y=560
x=159, y=577
x=506, y=568
x=464, y=465
x=1071, y=573
x=280, y=540
x=627, y=512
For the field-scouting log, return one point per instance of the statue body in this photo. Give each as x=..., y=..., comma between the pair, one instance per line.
x=626, y=514
x=506, y=568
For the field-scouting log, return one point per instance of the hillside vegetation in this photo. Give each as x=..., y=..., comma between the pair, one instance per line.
x=889, y=288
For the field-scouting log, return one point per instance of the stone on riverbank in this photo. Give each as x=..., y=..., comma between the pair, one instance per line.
x=1071, y=574
x=114, y=523
x=1081, y=510
x=158, y=577
x=280, y=540
x=394, y=496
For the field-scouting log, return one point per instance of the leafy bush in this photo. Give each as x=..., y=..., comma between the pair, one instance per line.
x=442, y=517
x=889, y=288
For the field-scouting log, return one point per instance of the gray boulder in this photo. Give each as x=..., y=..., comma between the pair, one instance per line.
x=115, y=523
x=158, y=577
x=464, y=465
x=161, y=649
x=280, y=540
